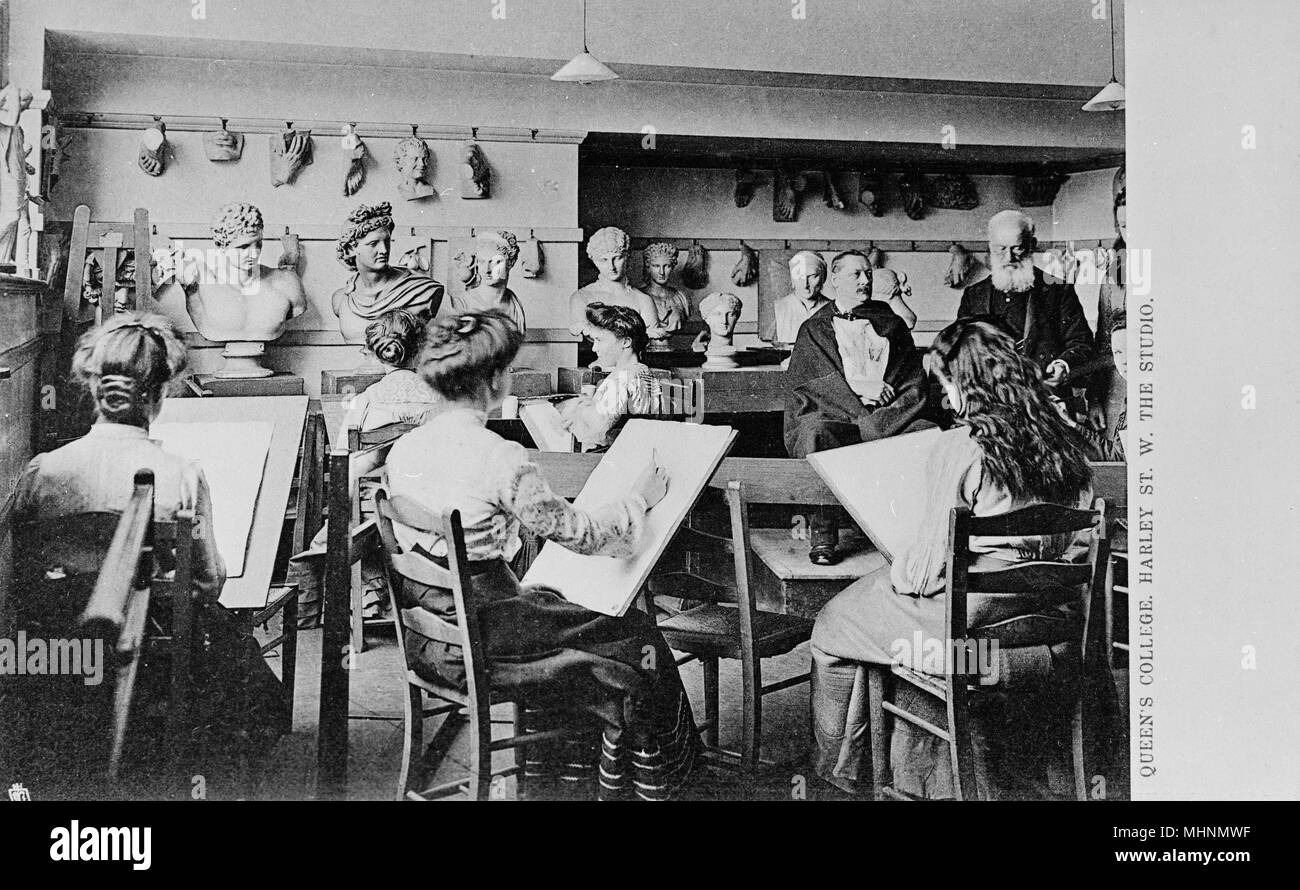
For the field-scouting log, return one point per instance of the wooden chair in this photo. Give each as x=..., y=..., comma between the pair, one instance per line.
x=1072, y=654
x=474, y=704
x=1111, y=482
x=106, y=243
x=96, y=575
x=720, y=572
x=372, y=447
x=343, y=636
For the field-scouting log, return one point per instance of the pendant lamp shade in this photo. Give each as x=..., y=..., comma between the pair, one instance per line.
x=1111, y=98
x=584, y=68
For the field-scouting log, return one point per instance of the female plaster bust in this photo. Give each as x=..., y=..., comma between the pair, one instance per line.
x=671, y=306
x=374, y=286
x=608, y=251
x=495, y=254
x=721, y=312
x=234, y=299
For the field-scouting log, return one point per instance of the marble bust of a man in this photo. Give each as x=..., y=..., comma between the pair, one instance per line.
x=608, y=251
x=233, y=299
x=374, y=287
x=495, y=254
x=807, y=278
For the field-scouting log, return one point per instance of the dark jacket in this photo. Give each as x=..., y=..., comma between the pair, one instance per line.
x=818, y=397
x=1054, y=324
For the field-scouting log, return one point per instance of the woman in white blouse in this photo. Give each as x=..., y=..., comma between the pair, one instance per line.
x=616, y=673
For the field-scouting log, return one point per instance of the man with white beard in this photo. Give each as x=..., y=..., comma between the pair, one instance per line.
x=1043, y=314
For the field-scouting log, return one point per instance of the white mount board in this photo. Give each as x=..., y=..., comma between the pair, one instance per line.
x=232, y=455
x=883, y=484
x=690, y=453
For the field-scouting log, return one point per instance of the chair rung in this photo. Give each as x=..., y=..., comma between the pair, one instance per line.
x=1123, y=647
x=917, y=721
x=532, y=738
x=786, y=684
x=921, y=681
x=441, y=709
x=457, y=785
x=1119, y=588
x=686, y=659
x=391, y=718
x=274, y=644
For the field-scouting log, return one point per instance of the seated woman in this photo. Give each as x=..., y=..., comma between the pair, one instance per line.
x=1014, y=451
x=618, y=336
x=616, y=674
x=127, y=364
x=400, y=396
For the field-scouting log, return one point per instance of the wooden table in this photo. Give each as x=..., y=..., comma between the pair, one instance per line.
x=287, y=413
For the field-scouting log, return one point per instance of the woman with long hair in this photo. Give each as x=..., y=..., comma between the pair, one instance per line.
x=1012, y=449
x=612, y=675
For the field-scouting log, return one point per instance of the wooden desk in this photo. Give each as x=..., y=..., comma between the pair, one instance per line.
x=278, y=384
x=740, y=390
x=523, y=381
x=287, y=413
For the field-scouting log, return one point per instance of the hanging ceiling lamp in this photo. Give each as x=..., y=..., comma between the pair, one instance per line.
x=584, y=67
x=1111, y=97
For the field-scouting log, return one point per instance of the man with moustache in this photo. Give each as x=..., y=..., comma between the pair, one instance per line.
x=1043, y=315
x=855, y=376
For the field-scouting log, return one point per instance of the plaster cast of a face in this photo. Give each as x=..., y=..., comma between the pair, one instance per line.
x=412, y=157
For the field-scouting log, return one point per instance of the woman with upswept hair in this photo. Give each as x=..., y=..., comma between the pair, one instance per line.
x=128, y=364
x=1013, y=449
x=613, y=677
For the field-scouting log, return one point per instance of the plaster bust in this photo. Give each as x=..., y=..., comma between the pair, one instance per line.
x=374, y=287
x=807, y=278
x=234, y=299
x=495, y=254
x=412, y=159
x=671, y=306
x=721, y=312
x=608, y=251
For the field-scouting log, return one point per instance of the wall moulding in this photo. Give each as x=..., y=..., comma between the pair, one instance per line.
x=182, y=123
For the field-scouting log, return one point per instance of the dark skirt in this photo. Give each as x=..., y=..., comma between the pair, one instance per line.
x=570, y=666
